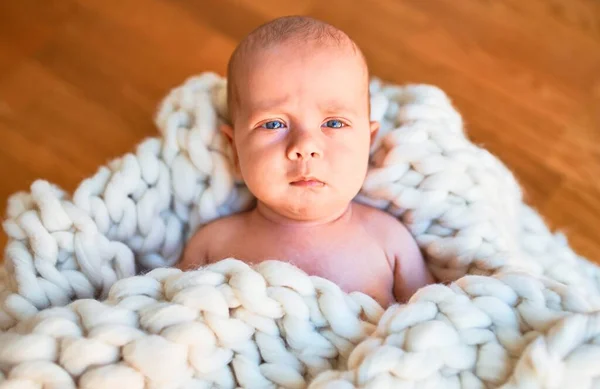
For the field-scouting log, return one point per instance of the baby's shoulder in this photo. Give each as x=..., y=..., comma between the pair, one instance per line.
x=374, y=217
x=220, y=229
x=207, y=237
x=386, y=227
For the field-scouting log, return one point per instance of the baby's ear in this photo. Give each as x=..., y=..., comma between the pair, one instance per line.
x=374, y=130
x=228, y=131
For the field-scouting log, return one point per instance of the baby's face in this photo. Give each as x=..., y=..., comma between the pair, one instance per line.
x=302, y=131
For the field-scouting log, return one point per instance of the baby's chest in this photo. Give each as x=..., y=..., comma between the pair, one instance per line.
x=354, y=261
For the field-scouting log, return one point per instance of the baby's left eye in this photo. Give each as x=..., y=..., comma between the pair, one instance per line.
x=334, y=123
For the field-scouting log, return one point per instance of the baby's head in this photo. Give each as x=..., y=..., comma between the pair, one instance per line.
x=298, y=97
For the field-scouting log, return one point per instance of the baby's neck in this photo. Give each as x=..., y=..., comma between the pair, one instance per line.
x=265, y=214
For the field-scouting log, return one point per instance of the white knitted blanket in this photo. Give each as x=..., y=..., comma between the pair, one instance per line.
x=88, y=297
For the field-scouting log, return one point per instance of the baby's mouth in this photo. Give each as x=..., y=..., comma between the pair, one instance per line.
x=309, y=182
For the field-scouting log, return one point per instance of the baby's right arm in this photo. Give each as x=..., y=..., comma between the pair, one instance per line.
x=195, y=254
x=205, y=243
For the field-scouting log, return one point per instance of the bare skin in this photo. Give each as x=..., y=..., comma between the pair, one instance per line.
x=363, y=250
x=301, y=136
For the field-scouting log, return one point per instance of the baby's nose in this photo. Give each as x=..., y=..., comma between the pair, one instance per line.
x=305, y=154
x=304, y=146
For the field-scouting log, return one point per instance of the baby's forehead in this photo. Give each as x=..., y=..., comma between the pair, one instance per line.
x=249, y=59
x=258, y=67
x=340, y=86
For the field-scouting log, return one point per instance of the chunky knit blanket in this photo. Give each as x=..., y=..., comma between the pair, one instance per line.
x=89, y=297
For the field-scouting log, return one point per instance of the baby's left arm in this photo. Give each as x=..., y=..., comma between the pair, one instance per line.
x=409, y=267
x=410, y=270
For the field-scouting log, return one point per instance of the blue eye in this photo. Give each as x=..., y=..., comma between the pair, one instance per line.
x=273, y=125
x=333, y=123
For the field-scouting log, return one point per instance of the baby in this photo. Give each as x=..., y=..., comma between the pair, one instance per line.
x=298, y=97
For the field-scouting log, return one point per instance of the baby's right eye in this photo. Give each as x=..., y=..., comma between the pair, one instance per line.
x=273, y=125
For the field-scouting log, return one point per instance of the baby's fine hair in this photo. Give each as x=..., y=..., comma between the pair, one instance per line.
x=296, y=29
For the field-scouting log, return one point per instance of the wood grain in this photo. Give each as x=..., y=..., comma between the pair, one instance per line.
x=80, y=81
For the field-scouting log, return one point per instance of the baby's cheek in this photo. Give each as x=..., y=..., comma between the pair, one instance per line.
x=260, y=174
x=354, y=160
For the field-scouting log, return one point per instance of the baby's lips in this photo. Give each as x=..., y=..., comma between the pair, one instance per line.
x=308, y=182
x=305, y=177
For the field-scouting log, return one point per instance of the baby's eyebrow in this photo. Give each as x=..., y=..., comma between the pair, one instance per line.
x=265, y=105
x=336, y=107
x=328, y=107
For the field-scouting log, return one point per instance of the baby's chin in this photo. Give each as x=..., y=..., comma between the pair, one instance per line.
x=309, y=211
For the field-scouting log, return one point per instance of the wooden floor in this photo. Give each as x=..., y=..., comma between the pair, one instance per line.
x=80, y=80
